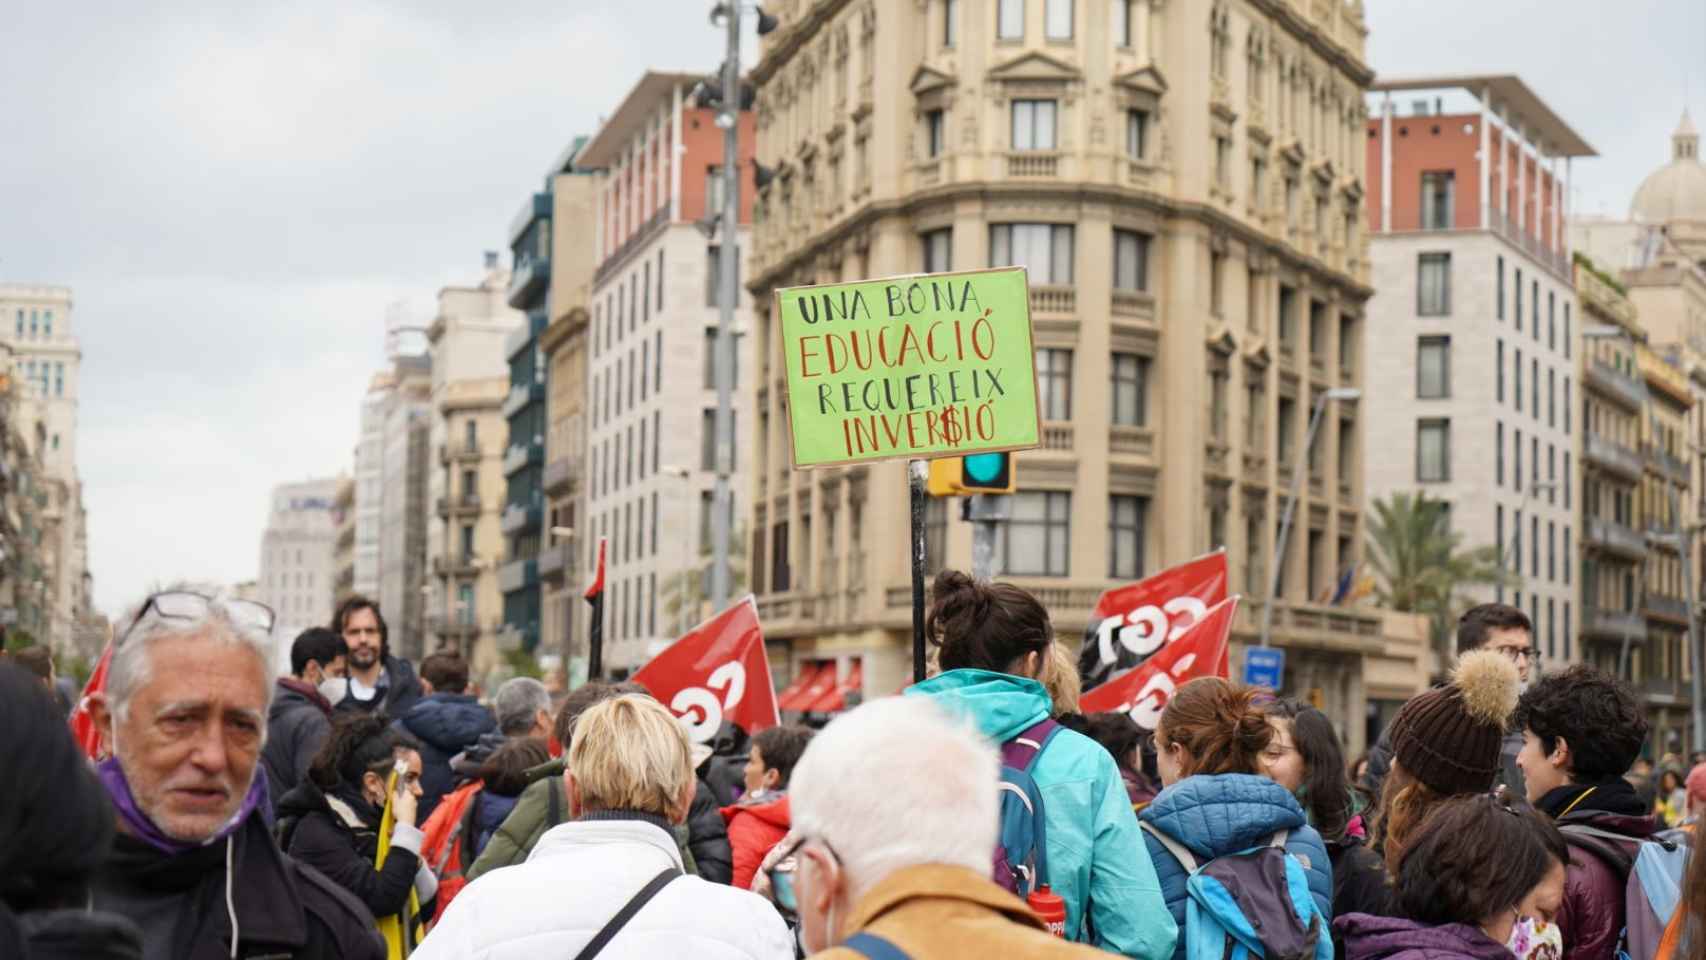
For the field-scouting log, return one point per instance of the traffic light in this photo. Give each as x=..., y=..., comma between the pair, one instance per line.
x=978, y=473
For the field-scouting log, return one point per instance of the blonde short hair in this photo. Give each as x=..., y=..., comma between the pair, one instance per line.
x=630, y=753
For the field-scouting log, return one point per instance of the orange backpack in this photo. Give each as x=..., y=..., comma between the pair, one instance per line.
x=449, y=846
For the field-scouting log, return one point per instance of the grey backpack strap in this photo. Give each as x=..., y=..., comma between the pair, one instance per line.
x=602, y=938
x=1174, y=847
x=1279, y=839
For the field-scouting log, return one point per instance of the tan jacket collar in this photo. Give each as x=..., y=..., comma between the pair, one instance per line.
x=938, y=882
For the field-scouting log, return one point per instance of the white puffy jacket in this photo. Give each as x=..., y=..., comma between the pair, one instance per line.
x=578, y=876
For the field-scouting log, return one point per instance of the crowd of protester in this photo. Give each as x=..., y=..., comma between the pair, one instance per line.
x=363, y=807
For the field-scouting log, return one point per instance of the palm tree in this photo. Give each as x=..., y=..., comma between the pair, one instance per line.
x=1421, y=565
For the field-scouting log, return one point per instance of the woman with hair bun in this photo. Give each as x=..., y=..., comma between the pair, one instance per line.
x=994, y=645
x=1216, y=800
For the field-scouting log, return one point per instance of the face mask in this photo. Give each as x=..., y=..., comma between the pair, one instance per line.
x=1533, y=939
x=334, y=689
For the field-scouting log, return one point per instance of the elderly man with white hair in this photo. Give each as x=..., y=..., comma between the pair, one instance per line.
x=609, y=882
x=895, y=809
x=194, y=864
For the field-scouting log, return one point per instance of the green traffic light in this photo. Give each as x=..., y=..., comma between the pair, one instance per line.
x=984, y=468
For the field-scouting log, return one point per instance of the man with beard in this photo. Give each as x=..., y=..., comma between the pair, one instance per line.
x=377, y=680
x=194, y=864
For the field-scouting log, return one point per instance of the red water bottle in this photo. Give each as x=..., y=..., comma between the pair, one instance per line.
x=1048, y=905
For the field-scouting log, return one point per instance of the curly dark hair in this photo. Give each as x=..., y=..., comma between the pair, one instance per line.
x=359, y=744
x=1597, y=715
x=1473, y=858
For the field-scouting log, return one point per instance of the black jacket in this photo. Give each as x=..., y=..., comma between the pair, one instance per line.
x=400, y=690
x=708, y=837
x=324, y=840
x=297, y=725
x=446, y=724
x=79, y=935
x=1359, y=884
x=283, y=909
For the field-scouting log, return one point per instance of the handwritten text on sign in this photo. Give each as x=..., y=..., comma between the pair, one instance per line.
x=909, y=367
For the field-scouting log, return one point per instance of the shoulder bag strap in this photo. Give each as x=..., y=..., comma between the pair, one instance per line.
x=602, y=938
x=1174, y=847
x=874, y=947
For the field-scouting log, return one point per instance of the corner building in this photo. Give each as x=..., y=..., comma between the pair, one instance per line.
x=1184, y=184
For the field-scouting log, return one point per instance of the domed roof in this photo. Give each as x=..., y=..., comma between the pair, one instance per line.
x=1677, y=190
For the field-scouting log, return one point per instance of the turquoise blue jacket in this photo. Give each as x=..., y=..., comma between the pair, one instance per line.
x=1096, y=857
x=1213, y=816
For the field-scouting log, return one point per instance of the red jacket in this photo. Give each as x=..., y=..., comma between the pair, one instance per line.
x=753, y=830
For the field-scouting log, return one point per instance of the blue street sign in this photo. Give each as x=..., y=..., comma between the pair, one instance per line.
x=1263, y=667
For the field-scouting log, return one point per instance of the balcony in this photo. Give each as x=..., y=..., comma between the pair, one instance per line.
x=517, y=519
x=536, y=207
x=1600, y=623
x=464, y=506
x=1057, y=436
x=452, y=628
x=528, y=281
x=556, y=561
x=1615, y=384
x=521, y=455
x=561, y=475
x=1614, y=537
x=1033, y=163
x=1611, y=456
x=463, y=452
x=1129, y=439
x=458, y=565
x=518, y=575
x=1668, y=464
x=1670, y=691
x=1662, y=607
x=521, y=395
x=1054, y=298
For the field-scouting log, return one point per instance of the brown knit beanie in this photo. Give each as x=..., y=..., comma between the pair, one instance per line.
x=1450, y=738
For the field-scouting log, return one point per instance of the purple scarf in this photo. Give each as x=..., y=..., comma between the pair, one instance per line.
x=137, y=824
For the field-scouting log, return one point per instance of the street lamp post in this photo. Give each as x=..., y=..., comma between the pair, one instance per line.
x=1336, y=393
x=687, y=554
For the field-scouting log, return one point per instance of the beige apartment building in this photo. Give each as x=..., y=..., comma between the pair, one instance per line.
x=343, y=547
x=563, y=347
x=1184, y=183
x=470, y=381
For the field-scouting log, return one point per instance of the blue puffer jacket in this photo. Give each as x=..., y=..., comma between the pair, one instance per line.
x=1094, y=855
x=446, y=724
x=1214, y=816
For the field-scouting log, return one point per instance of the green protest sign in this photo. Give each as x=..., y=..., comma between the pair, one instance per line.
x=909, y=367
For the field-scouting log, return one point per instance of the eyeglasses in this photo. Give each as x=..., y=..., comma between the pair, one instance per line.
x=781, y=873
x=188, y=605
x=1519, y=654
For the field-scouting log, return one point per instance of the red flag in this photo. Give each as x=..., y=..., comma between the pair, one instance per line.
x=717, y=671
x=1201, y=651
x=1131, y=622
x=82, y=725
x=595, y=631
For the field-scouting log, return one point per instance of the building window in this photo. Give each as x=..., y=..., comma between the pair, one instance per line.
x=1499, y=452
x=950, y=22
x=938, y=250
x=1287, y=318
x=1120, y=18
x=1285, y=424
x=1551, y=320
x=1054, y=383
x=1057, y=19
x=933, y=133
x=660, y=279
x=713, y=274
x=1010, y=20
x=1258, y=180
x=467, y=542
x=1043, y=249
x=1130, y=389
x=1223, y=162
x=1433, y=284
x=710, y=371
x=1501, y=290
x=1433, y=450
x=1566, y=417
x=1037, y=540
x=1127, y=516
x=1517, y=368
x=1433, y=368
x=1438, y=190
x=715, y=188
x=1516, y=476
x=781, y=573
x=1131, y=260
x=470, y=434
x=1519, y=299
x=935, y=535
x=708, y=440
x=1033, y=124
x=1499, y=372
x=1551, y=397
x=1136, y=133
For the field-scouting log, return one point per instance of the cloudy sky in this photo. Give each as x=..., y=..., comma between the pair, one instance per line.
x=237, y=191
